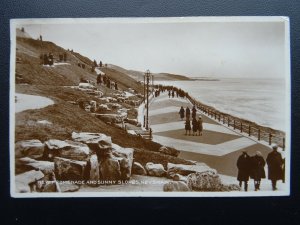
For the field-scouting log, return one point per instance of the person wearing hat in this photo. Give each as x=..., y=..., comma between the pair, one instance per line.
x=200, y=125
x=181, y=113
x=258, y=172
x=275, y=162
x=244, y=167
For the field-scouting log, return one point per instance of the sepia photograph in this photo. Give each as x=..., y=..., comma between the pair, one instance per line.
x=150, y=107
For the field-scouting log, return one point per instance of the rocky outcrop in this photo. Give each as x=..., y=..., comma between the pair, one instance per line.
x=110, y=169
x=177, y=186
x=66, y=149
x=168, y=151
x=92, y=171
x=31, y=164
x=67, y=169
x=31, y=148
x=110, y=118
x=26, y=182
x=185, y=170
x=156, y=170
x=138, y=169
x=204, y=181
x=178, y=177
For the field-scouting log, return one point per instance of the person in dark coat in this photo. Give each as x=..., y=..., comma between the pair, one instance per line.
x=244, y=168
x=195, y=126
x=200, y=126
x=181, y=113
x=194, y=110
x=258, y=171
x=169, y=94
x=187, y=112
x=275, y=163
x=188, y=126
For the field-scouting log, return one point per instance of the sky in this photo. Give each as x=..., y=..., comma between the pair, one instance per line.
x=195, y=49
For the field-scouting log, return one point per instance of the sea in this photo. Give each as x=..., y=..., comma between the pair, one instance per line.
x=262, y=101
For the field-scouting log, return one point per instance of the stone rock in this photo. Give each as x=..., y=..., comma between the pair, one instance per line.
x=178, y=177
x=92, y=171
x=156, y=170
x=125, y=156
x=131, y=121
x=110, y=169
x=32, y=148
x=95, y=141
x=51, y=186
x=133, y=102
x=114, y=106
x=67, y=169
x=138, y=169
x=231, y=187
x=187, y=169
x=177, y=186
x=66, y=149
x=26, y=182
x=103, y=107
x=168, y=151
x=45, y=166
x=110, y=118
x=68, y=187
x=204, y=181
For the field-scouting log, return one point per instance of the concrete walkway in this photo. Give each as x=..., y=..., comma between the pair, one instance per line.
x=219, y=147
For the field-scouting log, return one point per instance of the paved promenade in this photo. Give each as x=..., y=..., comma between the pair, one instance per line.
x=219, y=146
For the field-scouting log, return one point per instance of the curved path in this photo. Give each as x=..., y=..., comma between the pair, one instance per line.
x=218, y=147
x=24, y=102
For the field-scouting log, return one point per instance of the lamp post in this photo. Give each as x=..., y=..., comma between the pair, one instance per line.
x=147, y=78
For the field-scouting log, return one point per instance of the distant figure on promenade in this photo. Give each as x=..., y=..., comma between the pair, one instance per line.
x=244, y=168
x=275, y=164
x=258, y=171
x=116, y=85
x=104, y=79
x=173, y=93
x=108, y=83
x=177, y=94
x=188, y=126
x=194, y=110
x=187, y=112
x=169, y=94
x=200, y=126
x=181, y=113
x=195, y=126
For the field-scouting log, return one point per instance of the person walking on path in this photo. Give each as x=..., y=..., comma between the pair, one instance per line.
x=187, y=112
x=195, y=126
x=181, y=112
x=169, y=94
x=244, y=168
x=258, y=171
x=173, y=94
x=200, y=125
x=188, y=126
x=275, y=163
x=194, y=110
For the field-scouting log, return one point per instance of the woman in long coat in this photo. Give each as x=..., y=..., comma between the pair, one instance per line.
x=181, y=113
x=244, y=167
x=258, y=171
x=275, y=164
x=200, y=125
x=187, y=112
x=195, y=126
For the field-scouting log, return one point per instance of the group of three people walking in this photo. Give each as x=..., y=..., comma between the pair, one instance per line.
x=196, y=125
x=253, y=167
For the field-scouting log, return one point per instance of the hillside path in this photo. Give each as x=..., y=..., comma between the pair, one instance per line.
x=24, y=102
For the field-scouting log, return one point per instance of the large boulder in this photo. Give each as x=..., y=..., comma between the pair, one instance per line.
x=204, y=181
x=31, y=164
x=178, y=177
x=125, y=157
x=95, y=141
x=68, y=187
x=138, y=169
x=168, y=151
x=103, y=107
x=26, y=182
x=66, y=149
x=110, y=169
x=177, y=186
x=185, y=170
x=68, y=169
x=31, y=148
x=156, y=170
x=110, y=118
x=92, y=171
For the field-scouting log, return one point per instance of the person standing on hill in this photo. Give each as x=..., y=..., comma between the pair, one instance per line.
x=116, y=85
x=244, y=167
x=187, y=112
x=188, y=126
x=194, y=110
x=200, y=126
x=181, y=113
x=258, y=171
x=195, y=126
x=275, y=163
